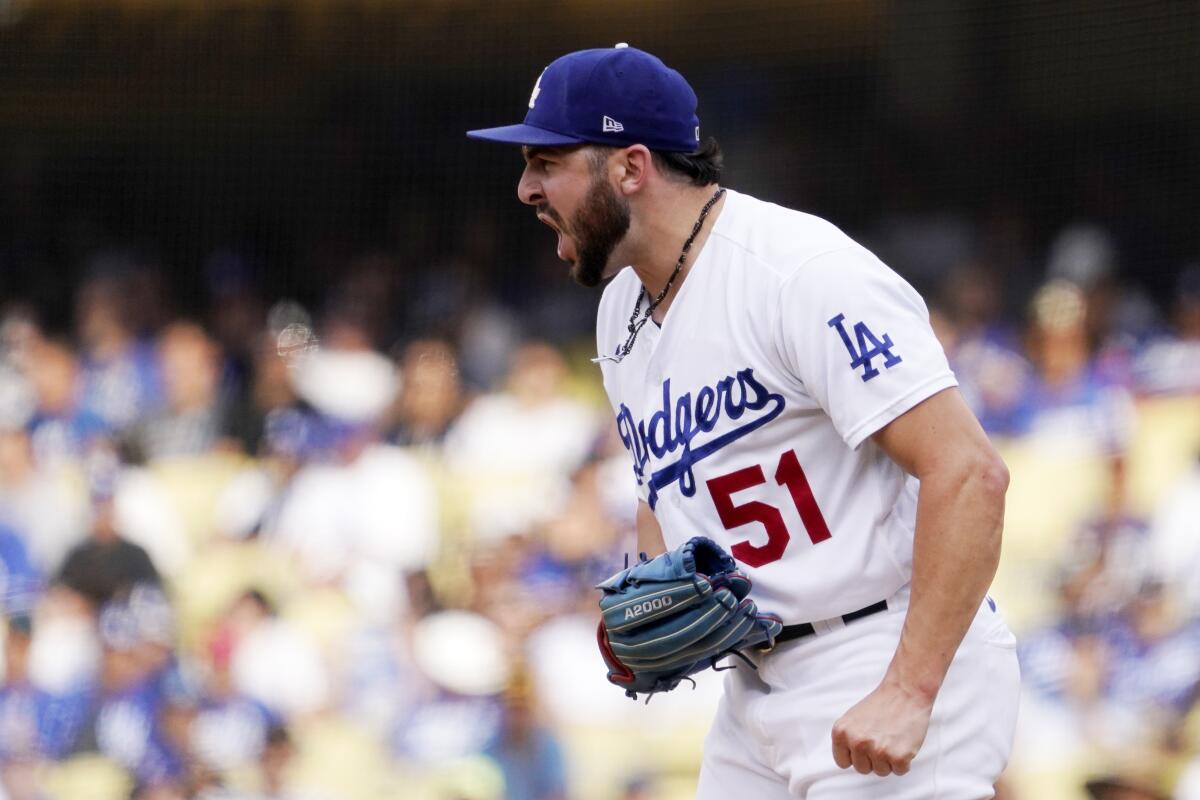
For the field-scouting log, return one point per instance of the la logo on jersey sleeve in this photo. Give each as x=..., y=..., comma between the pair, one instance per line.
x=869, y=347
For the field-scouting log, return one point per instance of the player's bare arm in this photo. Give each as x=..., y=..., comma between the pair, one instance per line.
x=960, y=515
x=649, y=533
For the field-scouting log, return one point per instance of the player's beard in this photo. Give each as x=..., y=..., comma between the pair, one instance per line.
x=598, y=227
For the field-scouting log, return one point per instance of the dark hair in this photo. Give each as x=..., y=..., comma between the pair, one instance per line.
x=700, y=168
x=260, y=599
x=278, y=735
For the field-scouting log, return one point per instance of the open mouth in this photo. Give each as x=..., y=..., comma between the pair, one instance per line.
x=546, y=218
x=561, y=249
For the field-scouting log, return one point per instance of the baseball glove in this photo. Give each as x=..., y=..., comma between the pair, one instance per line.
x=666, y=618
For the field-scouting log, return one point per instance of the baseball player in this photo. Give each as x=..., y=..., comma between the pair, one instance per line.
x=779, y=390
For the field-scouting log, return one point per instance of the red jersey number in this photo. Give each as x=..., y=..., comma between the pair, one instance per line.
x=788, y=473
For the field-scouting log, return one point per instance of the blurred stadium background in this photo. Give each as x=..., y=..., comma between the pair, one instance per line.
x=238, y=565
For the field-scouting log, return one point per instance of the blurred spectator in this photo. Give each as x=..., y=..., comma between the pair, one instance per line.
x=463, y=658
x=513, y=451
x=1109, y=557
x=120, y=377
x=973, y=292
x=353, y=387
x=18, y=722
x=131, y=700
x=193, y=417
x=107, y=564
x=19, y=335
x=147, y=515
x=22, y=705
x=20, y=580
x=1155, y=651
x=984, y=352
x=1176, y=547
x=1084, y=255
x=524, y=580
x=271, y=660
x=576, y=549
x=17, y=399
x=489, y=335
x=1171, y=363
x=431, y=395
x=28, y=488
x=229, y=729
x=358, y=512
x=1107, y=683
x=380, y=683
x=61, y=429
x=21, y=718
x=277, y=754
x=1071, y=401
x=507, y=586
x=267, y=389
x=1066, y=667
x=64, y=654
x=526, y=749
x=1118, y=317
x=1064, y=716
x=37, y=725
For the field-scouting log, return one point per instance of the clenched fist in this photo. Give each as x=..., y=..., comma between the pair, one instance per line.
x=883, y=732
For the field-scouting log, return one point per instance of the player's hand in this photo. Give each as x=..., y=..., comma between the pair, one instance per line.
x=883, y=732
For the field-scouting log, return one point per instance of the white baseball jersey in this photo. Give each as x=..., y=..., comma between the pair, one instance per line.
x=748, y=414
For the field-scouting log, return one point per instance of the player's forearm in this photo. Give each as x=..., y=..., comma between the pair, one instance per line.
x=960, y=516
x=649, y=533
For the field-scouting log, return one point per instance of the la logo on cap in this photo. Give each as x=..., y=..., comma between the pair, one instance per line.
x=537, y=89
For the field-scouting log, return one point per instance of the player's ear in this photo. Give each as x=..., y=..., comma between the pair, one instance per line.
x=634, y=166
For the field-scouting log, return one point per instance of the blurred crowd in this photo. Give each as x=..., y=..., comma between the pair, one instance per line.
x=274, y=552
x=1098, y=377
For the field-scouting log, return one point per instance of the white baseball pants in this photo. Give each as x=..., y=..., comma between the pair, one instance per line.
x=772, y=736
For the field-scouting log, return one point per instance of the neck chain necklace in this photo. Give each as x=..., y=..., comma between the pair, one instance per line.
x=636, y=324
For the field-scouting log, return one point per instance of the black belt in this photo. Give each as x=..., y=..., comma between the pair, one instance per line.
x=806, y=628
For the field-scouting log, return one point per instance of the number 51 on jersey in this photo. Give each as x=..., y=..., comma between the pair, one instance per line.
x=788, y=474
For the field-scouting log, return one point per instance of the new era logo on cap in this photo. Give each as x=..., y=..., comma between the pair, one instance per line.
x=637, y=98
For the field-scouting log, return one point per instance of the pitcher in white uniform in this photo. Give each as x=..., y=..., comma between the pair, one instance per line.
x=780, y=390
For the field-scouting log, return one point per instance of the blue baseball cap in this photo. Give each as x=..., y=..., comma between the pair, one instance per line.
x=616, y=96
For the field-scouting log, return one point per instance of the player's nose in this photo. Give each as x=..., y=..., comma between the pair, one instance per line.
x=529, y=189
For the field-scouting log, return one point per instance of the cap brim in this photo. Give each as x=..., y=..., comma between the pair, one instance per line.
x=523, y=134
